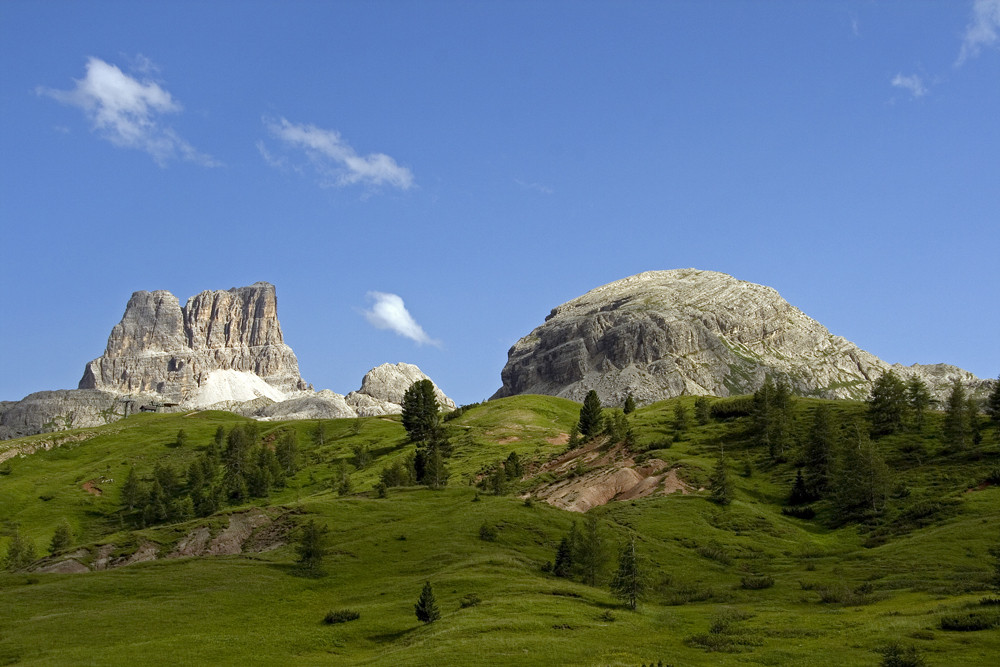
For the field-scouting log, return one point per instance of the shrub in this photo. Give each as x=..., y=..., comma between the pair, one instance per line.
x=804, y=512
x=728, y=408
x=341, y=616
x=970, y=621
x=487, y=533
x=897, y=655
x=715, y=551
x=756, y=582
x=469, y=600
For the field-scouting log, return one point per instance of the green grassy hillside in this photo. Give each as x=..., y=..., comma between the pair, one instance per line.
x=832, y=593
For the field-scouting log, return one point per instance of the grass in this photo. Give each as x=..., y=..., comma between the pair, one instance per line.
x=728, y=586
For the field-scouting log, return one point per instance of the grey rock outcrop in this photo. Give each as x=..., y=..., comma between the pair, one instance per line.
x=381, y=393
x=159, y=347
x=661, y=334
x=61, y=409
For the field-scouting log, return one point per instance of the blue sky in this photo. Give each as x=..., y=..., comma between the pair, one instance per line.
x=424, y=181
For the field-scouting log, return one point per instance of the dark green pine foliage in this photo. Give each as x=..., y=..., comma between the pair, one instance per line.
x=887, y=405
x=682, y=420
x=591, y=553
x=591, y=420
x=20, y=552
x=421, y=413
x=426, y=608
x=181, y=439
x=563, y=565
x=975, y=428
x=702, y=410
x=629, y=406
x=957, y=429
x=62, y=538
x=629, y=582
x=133, y=494
x=311, y=547
x=818, y=452
x=287, y=451
x=993, y=404
x=436, y=472
x=722, y=491
x=861, y=479
x=918, y=399
x=513, y=467
x=799, y=495
x=771, y=417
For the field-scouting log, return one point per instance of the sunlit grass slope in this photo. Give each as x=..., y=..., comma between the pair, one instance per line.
x=837, y=595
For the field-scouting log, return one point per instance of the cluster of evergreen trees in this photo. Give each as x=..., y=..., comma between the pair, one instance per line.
x=233, y=468
x=423, y=424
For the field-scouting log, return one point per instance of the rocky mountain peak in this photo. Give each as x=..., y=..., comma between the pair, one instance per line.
x=160, y=347
x=660, y=334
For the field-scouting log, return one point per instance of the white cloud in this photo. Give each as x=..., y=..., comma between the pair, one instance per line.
x=126, y=111
x=912, y=83
x=389, y=312
x=337, y=163
x=982, y=30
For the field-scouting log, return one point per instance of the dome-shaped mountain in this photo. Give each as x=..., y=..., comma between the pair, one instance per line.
x=661, y=334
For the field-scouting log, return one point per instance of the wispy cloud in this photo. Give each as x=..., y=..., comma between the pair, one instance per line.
x=911, y=83
x=982, y=30
x=335, y=161
x=389, y=312
x=537, y=187
x=127, y=111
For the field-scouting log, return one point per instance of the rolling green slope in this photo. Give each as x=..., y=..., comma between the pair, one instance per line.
x=838, y=594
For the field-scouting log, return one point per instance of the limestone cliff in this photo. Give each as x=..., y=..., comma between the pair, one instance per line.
x=160, y=347
x=665, y=333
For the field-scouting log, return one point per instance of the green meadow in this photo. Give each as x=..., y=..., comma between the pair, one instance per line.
x=738, y=584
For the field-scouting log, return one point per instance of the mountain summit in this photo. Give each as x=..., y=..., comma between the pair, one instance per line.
x=222, y=345
x=661, y=334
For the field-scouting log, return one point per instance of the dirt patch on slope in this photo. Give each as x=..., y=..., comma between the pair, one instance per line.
x=93, y=490
x=599, y=472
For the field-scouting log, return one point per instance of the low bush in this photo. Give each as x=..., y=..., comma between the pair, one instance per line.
x=970, y=621
x=802, y=512
x=729, y=408
x=487, y=533
x=897, y=655
x=469, y=600
x=341, y=616
x=756, y=582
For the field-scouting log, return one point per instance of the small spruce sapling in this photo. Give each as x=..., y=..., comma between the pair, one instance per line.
x=426, y=607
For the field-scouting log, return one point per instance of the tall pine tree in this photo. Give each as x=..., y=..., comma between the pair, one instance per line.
x=421, y=412
x=957, y=429
x=629, y=581
x=887, y=405
x=426, y=608
x=818, y=454
x=918, y=398
x=591, y=421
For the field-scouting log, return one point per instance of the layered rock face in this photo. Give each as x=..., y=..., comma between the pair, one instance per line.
x=159, y=347
x=661, y=334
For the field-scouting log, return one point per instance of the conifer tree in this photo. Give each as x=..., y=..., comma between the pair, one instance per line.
x=629, y=582
x=918, y=398
x=421, y=412
x=181, y=439
x=62, y=538
x=591, y=553
x=590, y=415
x=799, y=494
x=993, y=404
x=629, y=406
x=287, y=451
x=861, y=478
x=956, y=419
x=682, y=419
x=818, y=454
x=132, y=491
x=512, y=467
x=887, y=405
x=20, y=551
x=702, y=410
x=436, y=474
x=771, y=417
x=563, y=565
x=426, y=608
x=311, y=546
x=721, y=485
